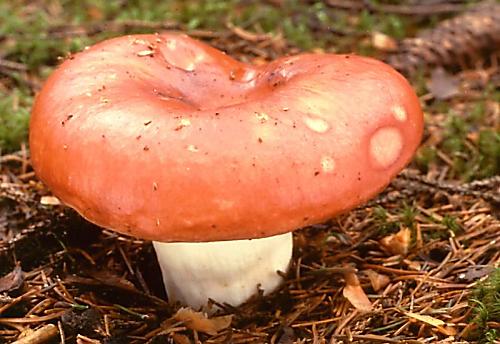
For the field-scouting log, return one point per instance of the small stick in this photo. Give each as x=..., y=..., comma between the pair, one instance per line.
x=409, y=10
x=42, y=335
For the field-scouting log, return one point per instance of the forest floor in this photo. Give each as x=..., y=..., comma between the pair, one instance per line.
x=426, y=252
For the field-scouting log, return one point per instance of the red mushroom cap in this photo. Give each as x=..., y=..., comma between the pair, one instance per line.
x=166, y=138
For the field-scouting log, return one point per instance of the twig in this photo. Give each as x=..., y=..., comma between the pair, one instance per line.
x=411, y=182
x=372, y=338
x=63, y=31
x=409, y=10
x=484, y=183
x=33, y=319
x=42, y=335
x=465, y=189
x=247, y=35
x=12, y=65
x=62, y=336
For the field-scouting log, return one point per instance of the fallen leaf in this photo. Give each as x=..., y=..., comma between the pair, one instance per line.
x=355, y=294
x=447, y=330
x=426, y=319
x=13, y=280
x=110, y=279
x=180, y=338
x=383, y=42
x=200, y=322
x=378, y=281
x=443, y=85
x=95, y=13
x=476, y=272
x=412, y=265
x=473, y=137
x=398, y=243
x=288, y=336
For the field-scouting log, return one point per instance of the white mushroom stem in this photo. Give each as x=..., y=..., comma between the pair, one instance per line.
x=225, y=271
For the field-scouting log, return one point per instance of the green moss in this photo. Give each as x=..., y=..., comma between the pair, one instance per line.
x=203, y=14
x=477, y=112
x=425, y=157
x=472, y=159
x=299, y=34
x=29, y=43
x=486, y=302
x=366, y=22
x=451, y=223
x=14, y=117
x=491, y=336
x=390, y=24
x=419, y=81
x=380, y=213
x=408, y=214
x=489, y=153
x=383, y=225
x=437, y=235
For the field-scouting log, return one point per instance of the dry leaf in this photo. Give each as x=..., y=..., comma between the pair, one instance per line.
x=426, y=319
x=383, y=42
x=440, y=325
x=443, y=85
x=355, y=294
x=476, y=272
x=447, y=330
x=412, y=265
x=378, y=281
x=398, y=243
x=95, y=13
x=13, y=280
x=110, y=279
x=288, y=336
x=200, y=322
x=180, y=338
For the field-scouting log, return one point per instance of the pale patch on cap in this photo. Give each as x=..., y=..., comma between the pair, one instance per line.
x=385, y=146
x=316, y=124
x=399, y=113
x=327, y=164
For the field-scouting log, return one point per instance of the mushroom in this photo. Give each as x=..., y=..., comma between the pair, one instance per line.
x=167, y=139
